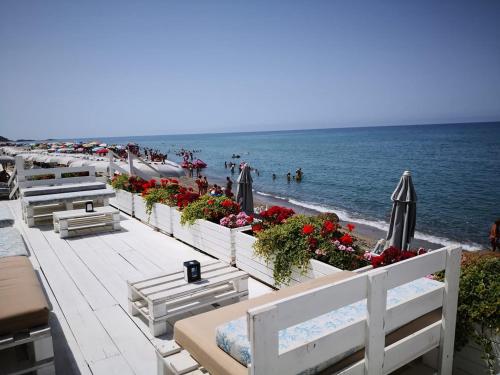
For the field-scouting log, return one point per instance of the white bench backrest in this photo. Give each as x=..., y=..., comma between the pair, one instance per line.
x=266, y=321
x=24, y=176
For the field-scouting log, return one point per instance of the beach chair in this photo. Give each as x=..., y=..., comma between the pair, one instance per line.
x=345, y=323
x=25, y=335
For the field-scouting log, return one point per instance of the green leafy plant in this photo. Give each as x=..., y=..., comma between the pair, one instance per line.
x=165, y=193
x=128, y=183
x=301, y=238
x=209, y=208
x=478, y=312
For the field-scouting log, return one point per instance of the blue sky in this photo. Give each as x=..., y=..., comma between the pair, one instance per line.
x=104, y=68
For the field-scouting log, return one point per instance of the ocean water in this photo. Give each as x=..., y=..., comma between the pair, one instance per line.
x=353, y=171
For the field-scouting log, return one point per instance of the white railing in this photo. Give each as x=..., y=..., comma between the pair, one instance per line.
x=266, y=321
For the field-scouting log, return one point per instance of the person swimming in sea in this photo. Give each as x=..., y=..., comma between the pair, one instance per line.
x=288, y=176
x=274, y=176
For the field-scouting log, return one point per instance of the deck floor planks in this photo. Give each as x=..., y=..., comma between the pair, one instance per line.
x=69, y=359
x=94, y=319
x=84, y=279
x=134, y=346
x=79, y=314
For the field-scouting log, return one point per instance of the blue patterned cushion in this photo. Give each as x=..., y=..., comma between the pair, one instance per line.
x=233, y=339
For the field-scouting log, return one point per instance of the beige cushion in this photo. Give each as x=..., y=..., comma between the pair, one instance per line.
x=22, y=302
x=197, y=334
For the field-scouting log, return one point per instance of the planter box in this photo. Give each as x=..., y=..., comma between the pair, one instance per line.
x=258, y=268
x=211, y=238
x=160, y=217
x=124, y=201
x=189, y=234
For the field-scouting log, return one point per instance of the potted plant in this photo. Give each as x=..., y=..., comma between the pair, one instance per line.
x=155, y=203
x=208, y=224
x=125, y=187
x=477, y=335
x=273, y=253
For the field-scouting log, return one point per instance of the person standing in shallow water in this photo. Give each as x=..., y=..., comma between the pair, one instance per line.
x=495, y=235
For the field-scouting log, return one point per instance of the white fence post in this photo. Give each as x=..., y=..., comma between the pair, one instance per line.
x=449, y=318
x=263, y=340
x=375, y=332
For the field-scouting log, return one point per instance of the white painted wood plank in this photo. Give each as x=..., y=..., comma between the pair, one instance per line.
x=68, y=356
x=449, y=317
x=111, y=366
x=83, y=278
x=92, y=338
x=133, y=345
x=375, y=333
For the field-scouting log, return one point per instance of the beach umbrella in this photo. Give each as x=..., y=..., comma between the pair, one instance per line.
x=102, y=151
x=244, y=195
x=403, y=215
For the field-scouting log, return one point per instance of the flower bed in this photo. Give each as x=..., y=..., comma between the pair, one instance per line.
x=125, y=187
x=262, y=270
x=196, y=226
x=160, y=217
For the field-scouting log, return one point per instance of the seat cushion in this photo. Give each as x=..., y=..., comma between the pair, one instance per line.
x=197, y=334
x=232, y=337
x=11, y=243
x=23, y=304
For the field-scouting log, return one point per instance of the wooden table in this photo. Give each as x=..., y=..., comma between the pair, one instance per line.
x=75, y=222
x=164, y=296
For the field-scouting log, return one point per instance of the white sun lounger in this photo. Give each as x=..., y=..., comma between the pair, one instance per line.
x=434, y=310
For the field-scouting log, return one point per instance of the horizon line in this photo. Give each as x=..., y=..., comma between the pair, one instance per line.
x=267, y=131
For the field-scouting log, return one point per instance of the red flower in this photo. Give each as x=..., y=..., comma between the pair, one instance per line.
x=257, y=227
x=328, y=226
x=210, y=201
x=346, y=239
x=307, y=229
x=250, y=219
x=377, y=260
x=351, y=227
x=313, y=243
x=226, y=203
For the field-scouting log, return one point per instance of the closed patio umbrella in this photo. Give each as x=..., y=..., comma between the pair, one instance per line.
x=403, y=215
x=244, y=195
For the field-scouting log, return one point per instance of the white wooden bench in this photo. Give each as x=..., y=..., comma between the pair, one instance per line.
x=43, y=206
x=56, y=189
x=164, y=296
x=266, y=321
x=77, y=222
x=37, y=344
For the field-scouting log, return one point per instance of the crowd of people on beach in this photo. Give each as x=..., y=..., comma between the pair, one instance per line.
x=155, y=155
x=216, y=190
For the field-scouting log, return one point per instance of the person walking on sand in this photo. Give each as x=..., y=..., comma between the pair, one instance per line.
x=495, y=235
x=205, y=185
x=199, y=183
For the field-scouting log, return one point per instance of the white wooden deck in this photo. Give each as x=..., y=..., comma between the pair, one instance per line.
x=85, y=280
